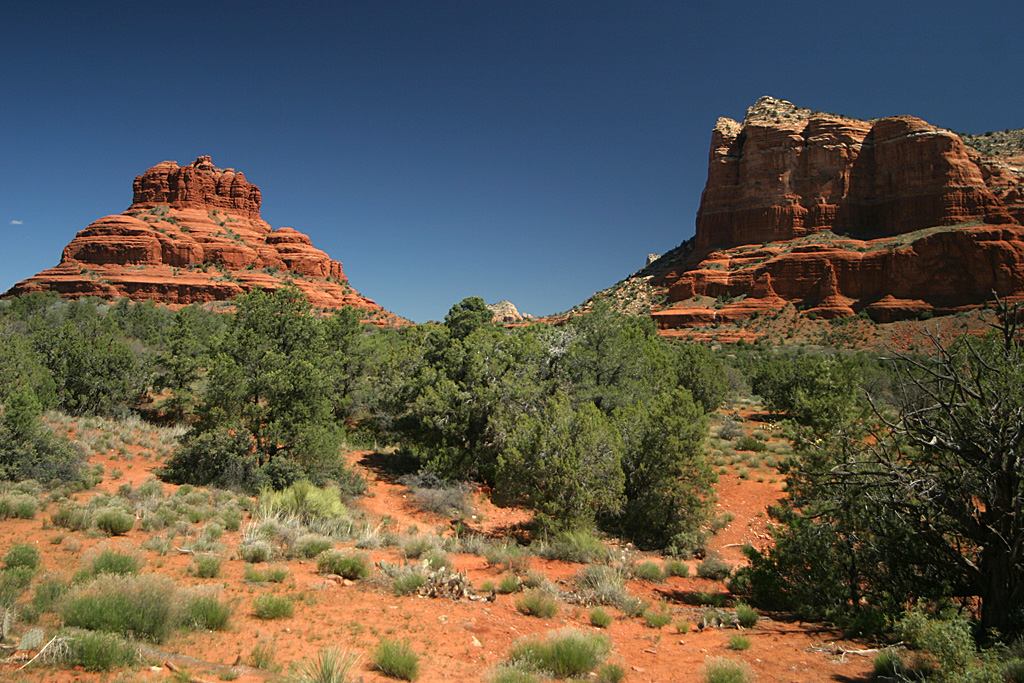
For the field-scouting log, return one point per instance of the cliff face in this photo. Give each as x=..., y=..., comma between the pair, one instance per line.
x=194, y=234
x=837, y=215
x=786, y=172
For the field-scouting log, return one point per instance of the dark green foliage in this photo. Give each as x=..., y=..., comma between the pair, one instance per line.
x=565, y=461
x=467, y=316
x=927, y=508
x=668, y=480
x=267, y=411
x=139, y=606
x=29, y=449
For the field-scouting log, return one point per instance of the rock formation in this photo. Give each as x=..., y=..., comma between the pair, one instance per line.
x=505, y=312
x=194, y=234
x=893, y=216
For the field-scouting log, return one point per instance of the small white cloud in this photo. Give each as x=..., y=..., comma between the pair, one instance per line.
x=17, y=222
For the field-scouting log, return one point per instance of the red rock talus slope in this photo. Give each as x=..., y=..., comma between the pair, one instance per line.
x=194, y=234
x=837, y=215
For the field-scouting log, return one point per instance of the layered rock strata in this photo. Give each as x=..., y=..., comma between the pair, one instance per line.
x=835, y=215
x=194, y=234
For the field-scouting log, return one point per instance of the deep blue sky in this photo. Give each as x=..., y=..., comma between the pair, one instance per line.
x=530, y=151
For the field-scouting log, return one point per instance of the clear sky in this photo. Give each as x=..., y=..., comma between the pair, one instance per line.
x=534, y=151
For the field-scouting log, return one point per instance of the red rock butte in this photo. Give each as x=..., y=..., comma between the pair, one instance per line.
x=194, y=234
x=836, y=215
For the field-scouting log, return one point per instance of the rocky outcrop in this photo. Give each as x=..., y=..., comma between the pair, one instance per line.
x=894, y=217
x=787, y=172
x=506, y=312
x=194, y=234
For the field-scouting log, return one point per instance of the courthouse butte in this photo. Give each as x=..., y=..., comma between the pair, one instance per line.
x=894, y=217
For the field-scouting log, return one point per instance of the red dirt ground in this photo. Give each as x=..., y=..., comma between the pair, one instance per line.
x=457, y=640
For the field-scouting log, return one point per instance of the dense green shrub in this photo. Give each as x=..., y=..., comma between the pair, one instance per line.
x=205, y=566
x=576, y=545
x=713, y=568
x=114, y=562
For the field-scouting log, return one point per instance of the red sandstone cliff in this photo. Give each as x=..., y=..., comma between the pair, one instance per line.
x=893, y=216
x=194, y=234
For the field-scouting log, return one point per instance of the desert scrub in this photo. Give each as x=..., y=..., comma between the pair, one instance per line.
x=204, y=566
x=509, y=583
x=206, y=611
x=601, y=584
x=573, y=546
x=657, y=618
x=19, y=506
x=536, y=603
x=330, y=666
x=746, y=615
x=311, y=545
x=22, y=555
x=649, y=570
x=432, y=494
x=725, y=670
x=256, y=551
x=114, y=521
x=272, y=607
x=677, y=568
x=72, y=517
x=268, y=575
x=600, y=618
x=98, y=651
x=397, y=659
x=48, y=594
x=350, y=566
x=713, y=568
x=111, y=562
x=136, y=606
x=567, y=653
x=739, y=643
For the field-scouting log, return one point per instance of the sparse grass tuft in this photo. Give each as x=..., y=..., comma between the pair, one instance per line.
x=349, y=566
x=600, y=618
x=649, y=571
x=565, y=654
x=330, y=666
x=396, y=658
x=725, y=670
x=536, y=603
x=270, y=606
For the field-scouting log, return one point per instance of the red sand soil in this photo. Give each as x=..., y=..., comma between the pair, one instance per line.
x=457, y=640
